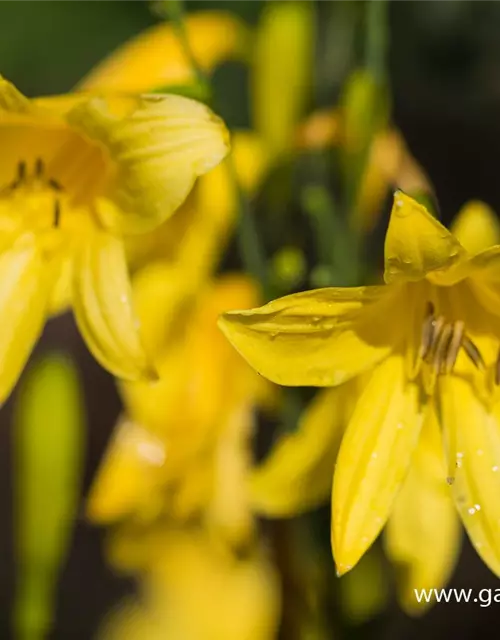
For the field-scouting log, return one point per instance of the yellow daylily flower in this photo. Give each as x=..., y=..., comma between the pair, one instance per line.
x=156, y=57
x=192, y=588
x=422, y=535
x=184, y=448
x=78, y=172
x=432, y=331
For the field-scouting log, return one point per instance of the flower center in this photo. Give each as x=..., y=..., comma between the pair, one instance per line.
x=37, y=190
x=441, y=342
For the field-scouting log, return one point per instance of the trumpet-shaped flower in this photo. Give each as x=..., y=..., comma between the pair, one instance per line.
x=431, y=334
x=156, y=58
x=184, y=448
x=78, y=173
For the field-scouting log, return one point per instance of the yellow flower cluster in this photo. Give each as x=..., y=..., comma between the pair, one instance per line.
x=407, y=426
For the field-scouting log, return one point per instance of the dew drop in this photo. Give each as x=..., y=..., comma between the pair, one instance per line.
x=494, y=468
x=477, y=507
x=472, y=511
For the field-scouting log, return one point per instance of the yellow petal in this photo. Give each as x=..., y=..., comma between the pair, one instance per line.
x=25, y=286
x=228, y=512
x=297, y=475
x=373, y=460
x=103, y=309
x=160, y=144
x=472, y=433
x=416, y=244
x=156, y=57
x=318, y=338
x=193, y=574
x=128, y=476
x=12, y=100
x=423, y=535
x=476, y=227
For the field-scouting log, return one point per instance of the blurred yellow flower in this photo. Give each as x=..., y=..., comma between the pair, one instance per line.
x=195, y=589
x=184, y=448
x=155, y=58
x=78, y=172
x=175, y=473
x=432, y=331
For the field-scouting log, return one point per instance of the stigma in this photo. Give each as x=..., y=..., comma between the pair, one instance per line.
x=34, y=181
x=441, y=342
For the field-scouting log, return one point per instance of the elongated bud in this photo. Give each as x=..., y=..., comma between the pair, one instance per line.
x=282, y=71
x=365, y=114
x=48, y=451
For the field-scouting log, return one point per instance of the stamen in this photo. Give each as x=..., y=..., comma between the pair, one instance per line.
x=57, y=213
x=473, y=353
x=427, y=332
x=437, y=327
x=442, y=348
x=454, y=347
x=21, y=172
x=39, y=168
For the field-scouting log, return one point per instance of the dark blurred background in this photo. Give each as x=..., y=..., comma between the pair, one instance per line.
x=445, y=74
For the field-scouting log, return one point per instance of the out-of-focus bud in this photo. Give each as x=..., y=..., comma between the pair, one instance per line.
x=321, y=130
x=289, y=268
x=282, y=70
x=476, y=227
x=155, y=58
x=48, y=448
x=365, y=112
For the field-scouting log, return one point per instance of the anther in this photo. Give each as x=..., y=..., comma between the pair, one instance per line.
x=454, y=346
x=21, y=171
x=427, y=332
x=442, y=348
x=39, y=168
x=57, y=213
x=437, y=327
x=473, y=352
x=54, y=184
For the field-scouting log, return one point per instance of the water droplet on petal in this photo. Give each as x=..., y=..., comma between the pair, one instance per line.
x=494, y=468
x=472, y=511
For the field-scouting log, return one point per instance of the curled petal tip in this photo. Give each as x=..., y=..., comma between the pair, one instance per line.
x=342, y=569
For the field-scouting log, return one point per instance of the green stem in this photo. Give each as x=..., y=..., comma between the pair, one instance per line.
x=250, y=248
